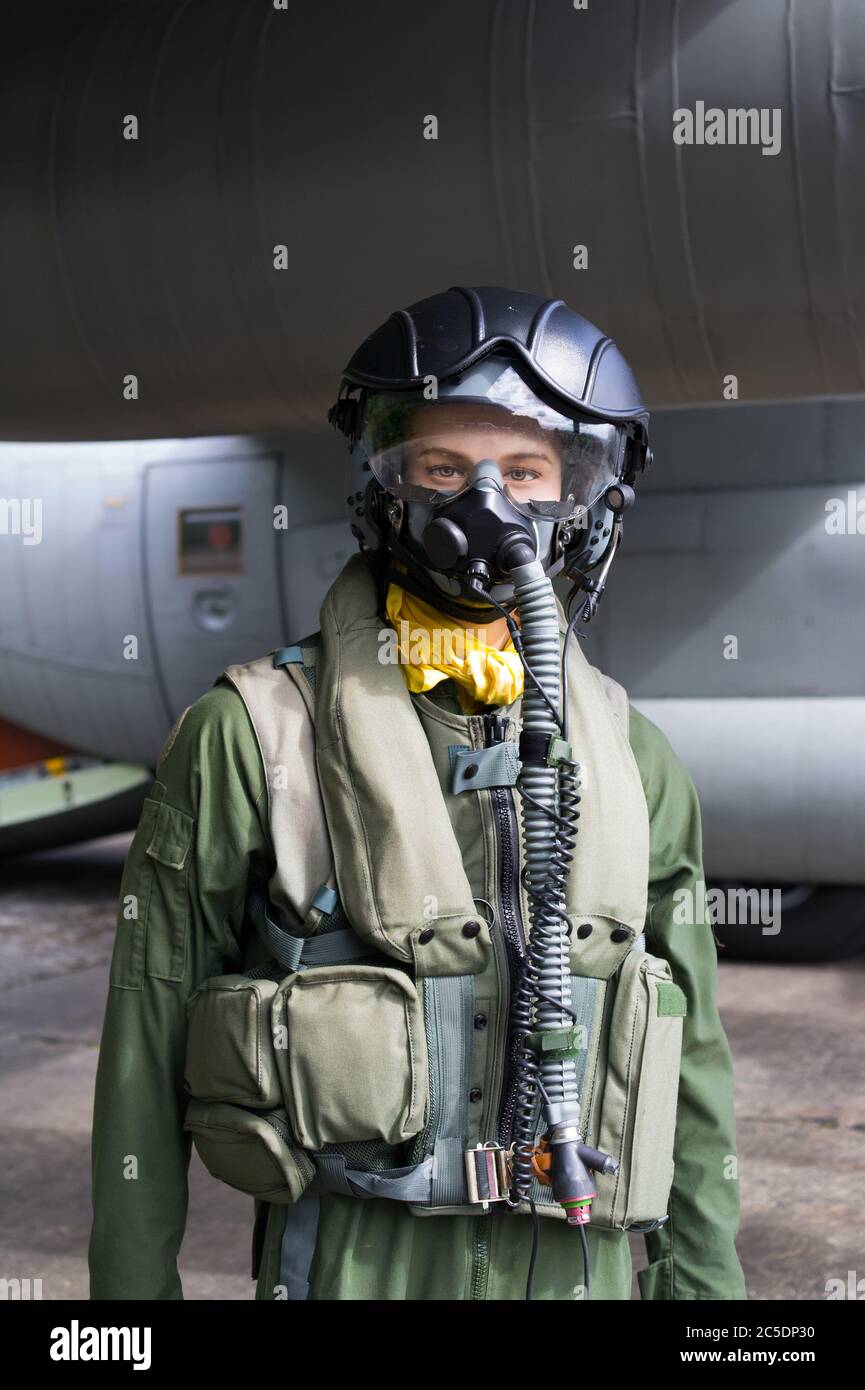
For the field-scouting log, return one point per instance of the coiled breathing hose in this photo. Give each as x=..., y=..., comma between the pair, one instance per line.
x=542, y=1015
x=550, y=836
x=544, y=989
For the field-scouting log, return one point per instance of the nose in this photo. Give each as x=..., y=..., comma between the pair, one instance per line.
x=486, y=473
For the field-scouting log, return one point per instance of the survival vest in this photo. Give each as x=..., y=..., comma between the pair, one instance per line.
x=370, y=1054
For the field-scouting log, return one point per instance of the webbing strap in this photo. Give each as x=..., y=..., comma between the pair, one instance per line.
x=584, y=992
x=287, y=656
x=300, y=952
x=477, y=769
x=410, y=1184
x=298, y=1246
x=326, y=900
x=334, y=948
x=449, y=1007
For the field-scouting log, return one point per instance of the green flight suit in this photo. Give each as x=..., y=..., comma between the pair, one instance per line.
x=203, y=832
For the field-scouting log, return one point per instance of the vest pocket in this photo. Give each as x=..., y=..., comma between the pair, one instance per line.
x=638, y=1108
x=229, y=1043
x=354, y=1064
x=252, y=1152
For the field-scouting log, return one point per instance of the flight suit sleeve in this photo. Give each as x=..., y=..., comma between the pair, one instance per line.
x=692, y=1256
x=202, y=831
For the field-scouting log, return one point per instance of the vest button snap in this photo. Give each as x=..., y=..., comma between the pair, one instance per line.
x=480, y=1020
x=471, y=929
x=619, y=934
x=426, y=935
x=584, y=930
x=472, y=770
x=475, y=1094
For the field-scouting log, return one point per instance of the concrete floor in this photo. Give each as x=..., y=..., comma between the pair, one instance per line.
x=795, y=1031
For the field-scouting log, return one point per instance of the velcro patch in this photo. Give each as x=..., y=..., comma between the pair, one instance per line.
x=672, y=1002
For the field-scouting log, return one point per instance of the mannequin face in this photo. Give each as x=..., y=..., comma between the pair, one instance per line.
x=445, y=442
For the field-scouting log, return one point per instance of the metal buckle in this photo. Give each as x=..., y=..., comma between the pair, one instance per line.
x=487, y=1174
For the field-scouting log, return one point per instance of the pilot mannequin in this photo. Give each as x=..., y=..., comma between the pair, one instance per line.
x=347, y=840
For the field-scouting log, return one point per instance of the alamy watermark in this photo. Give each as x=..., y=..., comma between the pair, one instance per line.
x=21, y=516
x=845, y=516
x=852, y=1288
x=733, y=906
x=20, y=1289
x=741, y=125
x=417, y=646
x=77, y=1343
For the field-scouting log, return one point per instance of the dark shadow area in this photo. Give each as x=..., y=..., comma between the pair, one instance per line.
x=829, y=925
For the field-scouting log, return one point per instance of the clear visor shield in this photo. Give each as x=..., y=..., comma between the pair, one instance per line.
x=426, y=451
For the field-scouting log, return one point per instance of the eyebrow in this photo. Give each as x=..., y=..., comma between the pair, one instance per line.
x=455, y=453
x=529, y=454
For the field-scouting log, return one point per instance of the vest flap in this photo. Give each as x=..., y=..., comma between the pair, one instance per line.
x=286, y=741
x=398, y=864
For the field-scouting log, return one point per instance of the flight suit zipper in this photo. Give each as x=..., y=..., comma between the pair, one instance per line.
x=514, y=934
x=510, y=914
x=506, y=839
x=480, y=1258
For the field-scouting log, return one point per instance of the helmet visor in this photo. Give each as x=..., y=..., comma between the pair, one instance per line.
x=551, y=466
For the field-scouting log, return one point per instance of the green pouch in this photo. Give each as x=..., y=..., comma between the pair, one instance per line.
x=354, y=1065
x=252, y=1152
x=229, y=1043
x=637, y=1122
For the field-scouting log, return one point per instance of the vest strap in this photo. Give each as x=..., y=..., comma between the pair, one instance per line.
x=293, y=952
x=298, y=1246
x=326, y=900
x=449, y=1011
x=477, y=769
x=409, y=1184
x=287, y=656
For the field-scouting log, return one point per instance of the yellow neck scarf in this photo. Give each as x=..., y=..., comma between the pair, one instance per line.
x=430, y=652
